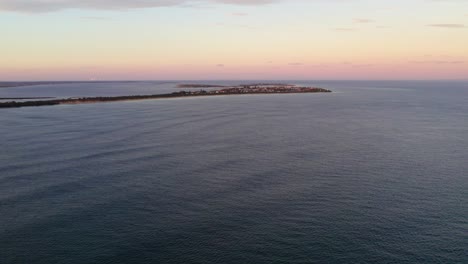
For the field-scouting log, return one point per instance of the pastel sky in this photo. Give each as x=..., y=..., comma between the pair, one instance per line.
x=233, y=39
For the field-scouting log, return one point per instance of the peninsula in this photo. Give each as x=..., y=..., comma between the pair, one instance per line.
x=231, y=90
x=252, y=85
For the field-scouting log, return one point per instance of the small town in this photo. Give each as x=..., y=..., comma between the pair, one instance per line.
x=263, y=88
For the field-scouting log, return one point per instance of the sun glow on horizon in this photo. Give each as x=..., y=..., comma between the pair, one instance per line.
x=280, y=40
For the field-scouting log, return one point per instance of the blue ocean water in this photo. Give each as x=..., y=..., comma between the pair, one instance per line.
x=376, y=172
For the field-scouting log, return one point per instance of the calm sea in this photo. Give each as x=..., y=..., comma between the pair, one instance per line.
x=376, y=172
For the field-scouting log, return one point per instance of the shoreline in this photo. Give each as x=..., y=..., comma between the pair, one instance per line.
x=201, y=93
x=25, y=98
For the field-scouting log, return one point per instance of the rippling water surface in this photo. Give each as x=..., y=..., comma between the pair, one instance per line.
x=376, y=172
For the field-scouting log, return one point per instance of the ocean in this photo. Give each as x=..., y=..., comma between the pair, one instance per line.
x=375, y=172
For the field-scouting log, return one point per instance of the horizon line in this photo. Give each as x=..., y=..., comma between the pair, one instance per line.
x=197, y=80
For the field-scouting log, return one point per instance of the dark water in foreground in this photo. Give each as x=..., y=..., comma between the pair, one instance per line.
x=376, y=172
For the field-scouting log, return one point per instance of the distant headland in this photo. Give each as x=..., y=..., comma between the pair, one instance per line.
x=21, y=84
x=244, y=89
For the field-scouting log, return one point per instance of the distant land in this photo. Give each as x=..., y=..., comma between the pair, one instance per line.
x=24, y=98
x=21, y=84
x=253, y=85
x=262, y=88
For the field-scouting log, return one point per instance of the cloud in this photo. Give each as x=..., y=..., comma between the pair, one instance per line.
x=344, y=29
x=363, y=21
x=438, y=62
x=447, y=25
x=239, y=14
x=246, y=2
x=56, y=5
x=361, y=65
x=221, y=24
x=354, y=65
x=220, y=65
x=296, y=64
x=95, y=18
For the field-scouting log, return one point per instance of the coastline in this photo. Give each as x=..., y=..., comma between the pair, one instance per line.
x=89, y=100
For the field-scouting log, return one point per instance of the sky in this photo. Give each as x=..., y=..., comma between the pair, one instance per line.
x=233, y=39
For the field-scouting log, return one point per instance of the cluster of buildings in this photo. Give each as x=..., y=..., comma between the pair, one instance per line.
x=256, y=89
